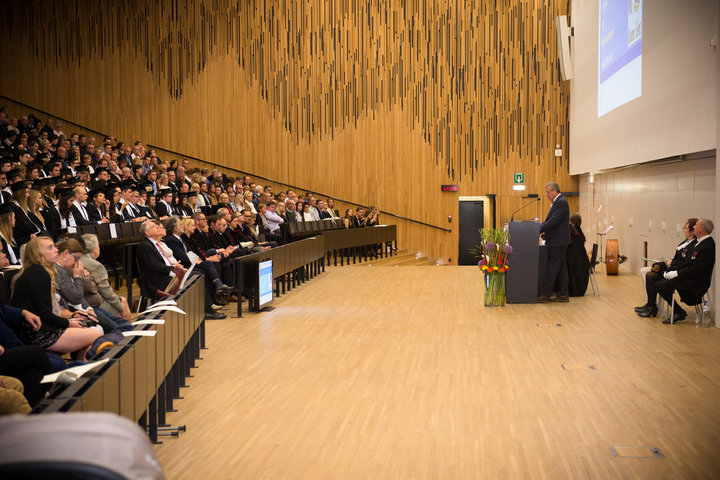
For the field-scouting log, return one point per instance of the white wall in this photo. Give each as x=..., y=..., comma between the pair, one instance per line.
x=637, y=197
x=675, y=114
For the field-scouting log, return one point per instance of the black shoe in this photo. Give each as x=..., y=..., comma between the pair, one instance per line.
x=218, y=301
x=212, y=315
x=559, y=298
x=542, y=299
x=678, y=317
x=642, y=307
x=651, y=311
x=225, y=290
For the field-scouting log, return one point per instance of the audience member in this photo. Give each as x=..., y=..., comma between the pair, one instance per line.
x=691, y=278
x=34, y=292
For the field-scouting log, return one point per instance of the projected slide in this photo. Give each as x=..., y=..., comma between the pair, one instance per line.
x=619, y=53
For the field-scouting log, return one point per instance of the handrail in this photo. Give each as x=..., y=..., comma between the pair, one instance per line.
x=54, y=116
x=156, y=147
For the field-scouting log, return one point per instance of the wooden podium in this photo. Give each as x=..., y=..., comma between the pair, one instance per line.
x=521, y=280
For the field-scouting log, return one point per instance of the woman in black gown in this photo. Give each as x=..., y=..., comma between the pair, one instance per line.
x=577, y=259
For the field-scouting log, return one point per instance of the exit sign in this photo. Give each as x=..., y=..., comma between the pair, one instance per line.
x=519, y=178
x=448, y=188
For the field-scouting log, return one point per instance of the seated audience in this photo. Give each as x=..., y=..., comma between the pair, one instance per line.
x=12, y=401
x=182, y=251
x=691, y=278
x=35, y=292
x=272, y=218
x=679, y=256
x=7, y=223
x=28, y=363
x=349, y=219
x=291, y=213
x=161, y=271
x=105, y=298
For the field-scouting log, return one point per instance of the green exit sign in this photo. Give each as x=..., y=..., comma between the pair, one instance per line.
x=519, y=178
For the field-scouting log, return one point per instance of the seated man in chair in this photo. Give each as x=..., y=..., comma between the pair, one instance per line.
x=158, y=267
x=691, y=279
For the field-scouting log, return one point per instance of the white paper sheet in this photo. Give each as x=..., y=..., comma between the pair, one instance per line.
x=77, y=371
x=150, y=321
x=171, y=303
x=162, y=307
x=140, y=333
x=187, y=275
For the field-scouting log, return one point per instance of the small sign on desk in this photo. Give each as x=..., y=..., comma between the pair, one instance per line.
x=448, y=188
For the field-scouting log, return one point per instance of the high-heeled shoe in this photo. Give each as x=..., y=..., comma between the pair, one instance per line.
x=651, y=311
x=642, y=307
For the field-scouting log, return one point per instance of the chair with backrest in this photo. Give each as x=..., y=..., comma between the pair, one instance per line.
x=593, y=262
x=702, y=304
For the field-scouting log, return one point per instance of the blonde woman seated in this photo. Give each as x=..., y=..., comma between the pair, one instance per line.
x=109, y=301
x=35, y=292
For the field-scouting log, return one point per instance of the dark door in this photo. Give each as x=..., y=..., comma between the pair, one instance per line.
x=471, y=221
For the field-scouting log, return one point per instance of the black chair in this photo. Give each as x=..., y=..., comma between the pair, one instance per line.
x=593, y=262
x=699, y=303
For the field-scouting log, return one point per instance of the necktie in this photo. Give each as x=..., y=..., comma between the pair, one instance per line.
x=167, y=260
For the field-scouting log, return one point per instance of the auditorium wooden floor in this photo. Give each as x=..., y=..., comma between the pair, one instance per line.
x=384, y=372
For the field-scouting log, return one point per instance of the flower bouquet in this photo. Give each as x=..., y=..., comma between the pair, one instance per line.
x=493, y=251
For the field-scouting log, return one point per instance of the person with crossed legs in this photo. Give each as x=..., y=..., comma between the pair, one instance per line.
x=691, y=279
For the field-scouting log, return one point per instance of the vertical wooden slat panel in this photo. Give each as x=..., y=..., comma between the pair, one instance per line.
x=377, y=102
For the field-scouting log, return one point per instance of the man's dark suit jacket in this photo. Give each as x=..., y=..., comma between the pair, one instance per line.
x=695, y=274
x=94, y=213
x=178, y=248
x=134, y=209
x=557, y=224
x=155, y=273
x=201, y=241
x=79, y=219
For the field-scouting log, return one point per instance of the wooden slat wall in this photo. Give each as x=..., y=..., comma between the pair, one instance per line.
x=376, y=102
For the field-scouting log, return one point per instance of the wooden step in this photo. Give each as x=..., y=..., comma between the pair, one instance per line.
x=390, y=260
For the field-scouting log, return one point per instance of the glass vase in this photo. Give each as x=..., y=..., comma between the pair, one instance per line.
x=495, y=289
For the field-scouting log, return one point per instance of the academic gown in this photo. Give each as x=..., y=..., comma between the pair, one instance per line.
x=577, y=263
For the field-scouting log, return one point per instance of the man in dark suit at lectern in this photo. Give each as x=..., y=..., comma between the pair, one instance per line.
x=556, y=230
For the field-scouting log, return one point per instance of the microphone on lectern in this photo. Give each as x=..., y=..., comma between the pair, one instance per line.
x=535, y=197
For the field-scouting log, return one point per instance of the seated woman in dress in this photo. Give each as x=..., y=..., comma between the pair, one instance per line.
x=349, y=218
x=679, y=257
x=35, y=292
x=248, y=203
x=7, y=223
x=64, y=208
x=24, y=227
x=35, y=206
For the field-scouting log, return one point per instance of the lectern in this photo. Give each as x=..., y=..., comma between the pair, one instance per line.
x=521, y=280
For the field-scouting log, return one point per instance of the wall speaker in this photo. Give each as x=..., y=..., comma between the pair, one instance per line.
x=563, y=42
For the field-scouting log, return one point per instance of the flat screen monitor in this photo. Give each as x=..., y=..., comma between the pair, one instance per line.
x=265, y=282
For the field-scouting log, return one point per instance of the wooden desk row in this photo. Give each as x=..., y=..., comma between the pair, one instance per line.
x=303, y=259
x=144, y=373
